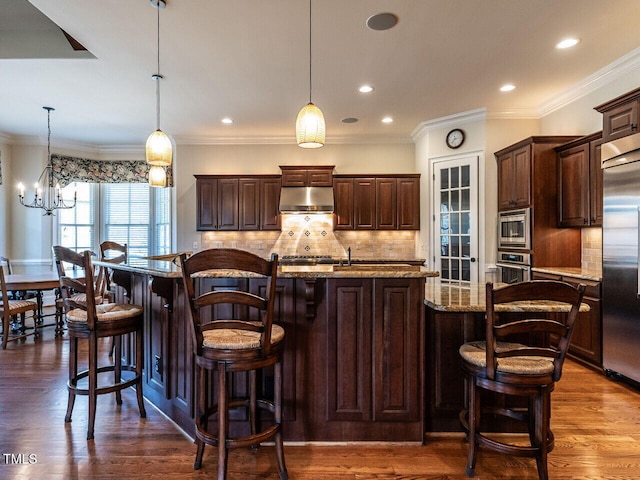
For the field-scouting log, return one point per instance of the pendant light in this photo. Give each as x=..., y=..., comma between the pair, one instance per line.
x=159, y=151
x=157, y=176
x=46, y=196
x=310, y=128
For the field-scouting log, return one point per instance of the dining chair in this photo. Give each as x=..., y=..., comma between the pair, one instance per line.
x=12, y=308
x=249, y=341
x=91, y=320
x=525, y=367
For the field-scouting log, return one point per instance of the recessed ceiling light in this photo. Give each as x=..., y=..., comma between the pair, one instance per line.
x=567, y=43
x=227, y=121
x=387, y=120
x=365, y=89
x=349, y=120
x=507, y=88
x=382, y=21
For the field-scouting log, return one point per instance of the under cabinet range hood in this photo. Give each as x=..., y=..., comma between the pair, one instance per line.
x=306, y=200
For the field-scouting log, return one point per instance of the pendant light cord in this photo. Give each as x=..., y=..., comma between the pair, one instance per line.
x=49, y=161
x=157, y=76
x=310, y=62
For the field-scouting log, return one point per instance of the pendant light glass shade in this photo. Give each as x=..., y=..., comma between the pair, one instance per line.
x=159, y=151
x=157, y=177
x=310, y=129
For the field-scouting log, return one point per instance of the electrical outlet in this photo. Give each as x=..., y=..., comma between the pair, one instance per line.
x=358, y=245
x=234, y=244
x=195, y=245
x=260, y=246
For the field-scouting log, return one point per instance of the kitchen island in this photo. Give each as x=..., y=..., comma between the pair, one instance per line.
x=455, y=315
x=354, y=352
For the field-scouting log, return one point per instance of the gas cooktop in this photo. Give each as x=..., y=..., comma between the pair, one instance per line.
x=305, y=259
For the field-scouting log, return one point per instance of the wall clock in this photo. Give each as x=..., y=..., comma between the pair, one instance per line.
x=455, y=138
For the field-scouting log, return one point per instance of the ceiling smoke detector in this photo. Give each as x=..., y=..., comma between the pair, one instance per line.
x=382, y=21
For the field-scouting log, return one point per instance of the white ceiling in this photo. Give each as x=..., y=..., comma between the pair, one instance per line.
x=248, y=60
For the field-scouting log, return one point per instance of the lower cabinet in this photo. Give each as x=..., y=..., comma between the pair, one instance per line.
x=586, y=341
x=353, y=360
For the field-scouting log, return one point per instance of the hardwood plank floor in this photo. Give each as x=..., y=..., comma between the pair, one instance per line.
x=596, y=423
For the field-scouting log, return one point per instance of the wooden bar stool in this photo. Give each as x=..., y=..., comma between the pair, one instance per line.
x=512, y=368
x=86, y=319
x=248, y=342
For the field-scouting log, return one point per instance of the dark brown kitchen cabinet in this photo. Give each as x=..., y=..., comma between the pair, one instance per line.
x=259, y=199
x=217, y=203
x=390, y=202
x=343, y=204
x=364, y=203
x=304, y=176
x=620, y=116
x=580, y=182
x=374, y=355
x=229, y=202
x=514, y=178
x=586, y=341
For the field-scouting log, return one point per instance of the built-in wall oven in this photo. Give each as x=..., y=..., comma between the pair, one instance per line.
x=514, y=229
x=513, y=267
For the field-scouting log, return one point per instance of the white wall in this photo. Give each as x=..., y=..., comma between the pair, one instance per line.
x=5, y=196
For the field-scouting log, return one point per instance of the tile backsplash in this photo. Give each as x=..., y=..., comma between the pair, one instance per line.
x=312, y=234
x=592, y=248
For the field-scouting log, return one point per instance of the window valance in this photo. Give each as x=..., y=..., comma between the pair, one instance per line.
x=67, y=170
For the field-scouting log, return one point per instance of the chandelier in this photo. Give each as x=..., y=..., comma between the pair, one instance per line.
x=310, y=128
x=46, y=196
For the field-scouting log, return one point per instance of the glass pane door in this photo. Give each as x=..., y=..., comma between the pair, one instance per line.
x=455, y=219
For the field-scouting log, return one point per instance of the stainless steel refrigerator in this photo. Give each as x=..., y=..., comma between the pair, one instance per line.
x=621, y=258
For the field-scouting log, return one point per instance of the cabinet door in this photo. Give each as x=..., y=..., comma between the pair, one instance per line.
x=573, y=187
x=319, y=177
x=228, y=204
x=206, y=197
x=595, y=181
x=343, y=217
x=521, y=177
x=364, y=203
x=505, y=181
x=270, y=204
x=408, y=206
x=294, y=177
x=249, y=203
x=386, y=192
x=620, y=121
x=156, y=334
x=348, y=347
x=397, y=357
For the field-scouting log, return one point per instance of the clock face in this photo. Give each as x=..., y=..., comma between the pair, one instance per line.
x=455, y=138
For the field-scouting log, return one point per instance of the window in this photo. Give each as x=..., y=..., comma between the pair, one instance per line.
x=131, y=213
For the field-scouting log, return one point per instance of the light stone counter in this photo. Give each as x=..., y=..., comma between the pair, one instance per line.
x=574, y=272
x=443, y=297
x=168, y=269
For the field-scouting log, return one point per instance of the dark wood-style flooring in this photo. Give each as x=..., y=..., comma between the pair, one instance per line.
x=596, y=422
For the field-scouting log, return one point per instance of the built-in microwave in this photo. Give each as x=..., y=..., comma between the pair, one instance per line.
x=514, y=229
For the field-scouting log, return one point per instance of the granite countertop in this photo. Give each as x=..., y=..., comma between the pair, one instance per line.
x=168, y=269
x=444, y=297
x=574, y=272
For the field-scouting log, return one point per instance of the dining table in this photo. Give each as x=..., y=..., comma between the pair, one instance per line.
x=38, y=283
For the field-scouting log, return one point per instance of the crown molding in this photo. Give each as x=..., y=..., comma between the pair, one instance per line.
x=456, y=119
x=615, y=70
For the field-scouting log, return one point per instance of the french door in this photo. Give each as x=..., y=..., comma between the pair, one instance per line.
x=455, y=219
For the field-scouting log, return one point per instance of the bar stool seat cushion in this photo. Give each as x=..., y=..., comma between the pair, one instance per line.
x=235, y=339
x=475, y=354
x=107, y=312
x=82, y=298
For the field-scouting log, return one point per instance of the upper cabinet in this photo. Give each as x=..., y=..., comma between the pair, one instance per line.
x=237, y=203
x=514, y=178
x=620, y=116
x=384, y=202
x=299, y=176
x=580, y=182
